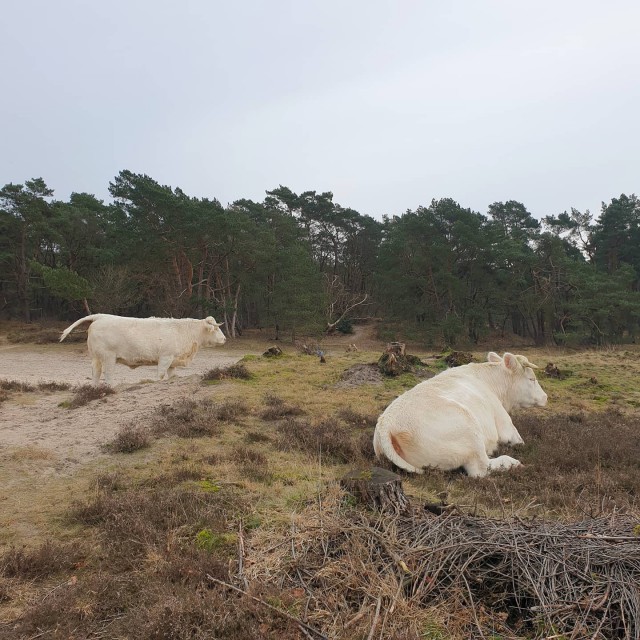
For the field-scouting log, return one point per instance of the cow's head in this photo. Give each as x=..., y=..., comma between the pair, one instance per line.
x=213, y=333
x=524, y=390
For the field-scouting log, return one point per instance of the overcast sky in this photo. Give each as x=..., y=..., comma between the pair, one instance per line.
x=387, y=104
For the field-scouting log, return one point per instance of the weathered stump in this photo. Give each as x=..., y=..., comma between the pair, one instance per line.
x=377, y=488
x=397, y=348
x=395, y=361
x=552, y=371
x=458, y=358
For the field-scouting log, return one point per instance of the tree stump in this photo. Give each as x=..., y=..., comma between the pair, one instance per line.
x=377, y=488
x=458, y=358
x=395, y=361
x=552, y=371
x=397, y=348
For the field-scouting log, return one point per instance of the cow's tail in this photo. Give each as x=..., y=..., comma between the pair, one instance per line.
x=77, y=323
x=387, y=444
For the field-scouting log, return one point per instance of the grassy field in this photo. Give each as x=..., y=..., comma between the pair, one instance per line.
x=210, y=495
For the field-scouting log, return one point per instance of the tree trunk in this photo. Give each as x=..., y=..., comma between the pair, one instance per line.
x=377, y=488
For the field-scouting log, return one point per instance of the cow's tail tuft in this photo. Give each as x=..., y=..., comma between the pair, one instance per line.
x=385, y=444
x=77, y=323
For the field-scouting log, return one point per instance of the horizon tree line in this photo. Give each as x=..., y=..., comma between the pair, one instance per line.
x=303, y=263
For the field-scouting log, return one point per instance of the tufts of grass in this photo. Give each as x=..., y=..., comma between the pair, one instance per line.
x=253, y=464
x=85, y=394
x=48, y=559
x=574, y=464
x=187, y=418
x=231, y=410
x=4, y=396
x=277, y=408
x=54, y=386
x=329, y=438
x=356, y=419
x=109, y=482
x=129, y=439
x=236, y=371
x=254, y=437
x=16, y=385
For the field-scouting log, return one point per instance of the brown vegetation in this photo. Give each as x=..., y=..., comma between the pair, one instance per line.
x=88, y=393
x=47, y=559
x=186, y=418
x=129, y=439
x=277, y=408
x=326, y=439
x=42, y=334
x=243, y=533
x=458, y=575
x=236, y=371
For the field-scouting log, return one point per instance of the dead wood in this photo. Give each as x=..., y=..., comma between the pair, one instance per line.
x=377, y=488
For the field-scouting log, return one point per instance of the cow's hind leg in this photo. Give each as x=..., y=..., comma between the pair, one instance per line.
x=108, y=366
x=502, y=463
x=164, y=365
x=481, y=465
x=96, y=370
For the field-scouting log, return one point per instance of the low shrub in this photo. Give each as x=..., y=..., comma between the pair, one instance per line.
x=129, y=439
x=236, y=371
x=277, y=408
x=328, y=438
x=187, y=418
x=47, y=559
x=16, y=385
x=87, y=393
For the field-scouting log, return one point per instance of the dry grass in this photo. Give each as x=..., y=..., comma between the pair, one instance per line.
x=161, y=523
x=16, y=385
x=42, y=334
x=150, y=578
x=579, y=464
x=188, y=418
x=87, y=393
x=252, y=463
x=236, y=371
x=458, y=576
x=277, y=408
x=53, y=386
x=129, y=439
x=328, y=439
x=33, y=564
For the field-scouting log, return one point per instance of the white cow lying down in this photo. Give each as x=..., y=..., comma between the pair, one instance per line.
x=457, y=418
x=136, y=342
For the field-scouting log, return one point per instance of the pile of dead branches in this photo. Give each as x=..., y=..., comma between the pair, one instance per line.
x=367, y=575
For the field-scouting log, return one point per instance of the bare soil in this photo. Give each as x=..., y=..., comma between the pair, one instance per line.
x=35, y=424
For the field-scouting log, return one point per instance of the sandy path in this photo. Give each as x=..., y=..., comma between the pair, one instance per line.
x=70, y=437
x=71, y=363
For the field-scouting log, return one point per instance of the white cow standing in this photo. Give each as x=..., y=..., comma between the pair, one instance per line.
x=137, y=342
x=457, y=418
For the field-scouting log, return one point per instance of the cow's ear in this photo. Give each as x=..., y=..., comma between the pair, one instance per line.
x=511, y=362
x=492, y=356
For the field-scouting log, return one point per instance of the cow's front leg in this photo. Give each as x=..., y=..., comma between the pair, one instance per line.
x=507, y=432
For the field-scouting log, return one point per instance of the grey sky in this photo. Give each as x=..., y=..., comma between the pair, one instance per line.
x=387, y=104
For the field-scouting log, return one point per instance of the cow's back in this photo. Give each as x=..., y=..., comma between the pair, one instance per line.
x=138, y=341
